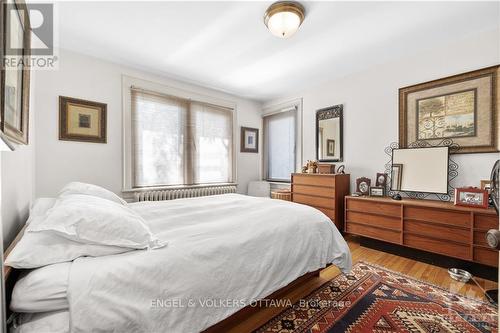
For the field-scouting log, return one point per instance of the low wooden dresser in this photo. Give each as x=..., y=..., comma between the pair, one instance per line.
x=428, y=225
x=325, y=192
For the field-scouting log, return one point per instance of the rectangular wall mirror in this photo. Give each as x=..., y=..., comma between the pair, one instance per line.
x=420, y=170
x=329, y=136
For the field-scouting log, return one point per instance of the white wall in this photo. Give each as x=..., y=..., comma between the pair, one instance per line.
x=370, y=101
x=81, y=76
x=18, y=180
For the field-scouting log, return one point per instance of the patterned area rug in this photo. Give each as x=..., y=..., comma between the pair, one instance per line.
x=373, y=299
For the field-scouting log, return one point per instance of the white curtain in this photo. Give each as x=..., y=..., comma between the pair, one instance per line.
x=179, y=142
x=279, y=141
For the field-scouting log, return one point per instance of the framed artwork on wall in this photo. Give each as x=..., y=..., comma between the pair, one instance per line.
x=249, y=140
x=81, y=120
x=15, y=44
x=461, y=107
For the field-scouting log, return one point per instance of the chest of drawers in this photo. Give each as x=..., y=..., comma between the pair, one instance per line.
x=324, y=192
x=432, y=226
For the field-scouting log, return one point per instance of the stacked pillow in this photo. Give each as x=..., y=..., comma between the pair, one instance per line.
x=84, y=220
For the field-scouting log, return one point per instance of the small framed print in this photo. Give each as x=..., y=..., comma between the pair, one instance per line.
x=363, y=185
x=330, y=147
x=486, y=185
x=381, y=180
x=377, y=191
x=471, y=197
x=396, y=175
x=81, y=120
x=249, y=140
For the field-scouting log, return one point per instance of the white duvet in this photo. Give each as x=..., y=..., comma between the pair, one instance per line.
x=223, y=253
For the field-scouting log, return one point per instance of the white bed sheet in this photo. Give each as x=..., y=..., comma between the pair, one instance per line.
x=227, y=249
x=47, y=322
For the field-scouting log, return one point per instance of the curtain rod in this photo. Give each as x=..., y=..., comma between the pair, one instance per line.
x=151, y=92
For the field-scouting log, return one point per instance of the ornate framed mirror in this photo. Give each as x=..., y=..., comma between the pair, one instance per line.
x=329, y=134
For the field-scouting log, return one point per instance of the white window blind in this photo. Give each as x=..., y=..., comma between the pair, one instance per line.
x=179, y=142
x=279, y=143
x=212, y=129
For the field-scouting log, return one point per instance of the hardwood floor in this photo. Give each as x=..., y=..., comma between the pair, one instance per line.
x=425, y=272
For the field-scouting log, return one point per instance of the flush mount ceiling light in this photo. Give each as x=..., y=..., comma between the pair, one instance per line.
x=283, y=18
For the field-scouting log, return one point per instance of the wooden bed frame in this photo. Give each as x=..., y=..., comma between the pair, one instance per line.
x=11, y=275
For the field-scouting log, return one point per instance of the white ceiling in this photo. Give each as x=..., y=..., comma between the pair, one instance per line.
x=225, y=45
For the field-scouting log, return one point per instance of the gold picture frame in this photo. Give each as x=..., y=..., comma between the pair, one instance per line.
x=82, y=120
x=15, y=83
x=463, y=108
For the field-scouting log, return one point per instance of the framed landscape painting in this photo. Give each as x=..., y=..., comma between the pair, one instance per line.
x=462, y=108
x=81, y=120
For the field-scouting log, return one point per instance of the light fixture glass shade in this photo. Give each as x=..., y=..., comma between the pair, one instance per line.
x=284, y=18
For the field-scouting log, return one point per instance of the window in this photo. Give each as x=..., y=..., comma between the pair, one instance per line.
x=177, y=141
x=280, y=144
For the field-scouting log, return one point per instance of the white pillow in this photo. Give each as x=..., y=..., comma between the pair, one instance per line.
x=37, y=249
x=42, y=289
x=90, y=189
x=92, y=220
x=40, y=207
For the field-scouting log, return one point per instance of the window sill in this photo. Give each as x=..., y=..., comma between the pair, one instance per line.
x=278, y=182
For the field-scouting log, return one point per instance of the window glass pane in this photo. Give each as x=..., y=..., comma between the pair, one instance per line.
x=158, y=137
x=280, y=145
x=212, y=143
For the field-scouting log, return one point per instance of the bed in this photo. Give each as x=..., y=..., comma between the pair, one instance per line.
x=222, y=254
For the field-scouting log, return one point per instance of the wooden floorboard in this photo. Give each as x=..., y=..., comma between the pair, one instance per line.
x=425, y=272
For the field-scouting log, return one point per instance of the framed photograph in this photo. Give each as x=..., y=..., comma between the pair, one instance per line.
x=330, y=147
x=363, y=185
x=381, y=180
x=249, y=140
x=377, y=191
x=471, y=197
x=15, y=82
x=461, y=107
x=486, y=184
x=81, y=120
x=396, y=176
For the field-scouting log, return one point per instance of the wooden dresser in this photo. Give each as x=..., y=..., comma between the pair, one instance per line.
x=433, y=226
x=325, y=192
